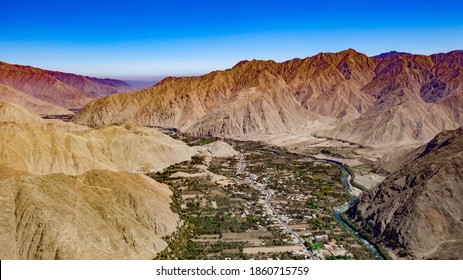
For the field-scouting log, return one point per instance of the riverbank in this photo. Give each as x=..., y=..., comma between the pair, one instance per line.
x=378, y=251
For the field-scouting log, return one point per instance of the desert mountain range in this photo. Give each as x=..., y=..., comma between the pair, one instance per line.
x=68, y=189
x=51, y=92
x=397, y=99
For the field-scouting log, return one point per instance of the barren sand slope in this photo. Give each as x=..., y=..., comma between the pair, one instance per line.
x=42, y=147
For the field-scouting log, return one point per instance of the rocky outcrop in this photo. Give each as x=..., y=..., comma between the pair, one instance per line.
x=217, y=149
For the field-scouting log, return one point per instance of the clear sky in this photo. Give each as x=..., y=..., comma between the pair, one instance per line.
x=141, y=39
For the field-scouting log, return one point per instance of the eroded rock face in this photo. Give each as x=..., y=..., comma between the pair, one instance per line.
x=419, y=207
x=96, y=215
x=399, y=98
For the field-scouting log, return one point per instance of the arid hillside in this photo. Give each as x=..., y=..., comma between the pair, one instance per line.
x=42, y=147
x=417, y=209
x=96, y=215
x=34, y=88
x=69, y=192
x=32, y=104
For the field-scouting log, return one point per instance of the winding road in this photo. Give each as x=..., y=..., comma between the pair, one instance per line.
x=241, y=168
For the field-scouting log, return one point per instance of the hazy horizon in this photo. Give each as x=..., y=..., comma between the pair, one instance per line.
x=139, y=40
x=156, y=78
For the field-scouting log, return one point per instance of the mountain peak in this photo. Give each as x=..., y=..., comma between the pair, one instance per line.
x=350, y=51
x=388, y=54
x=168, y=79
x=255, y=62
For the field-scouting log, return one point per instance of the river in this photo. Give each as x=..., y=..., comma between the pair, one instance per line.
x=337, y=213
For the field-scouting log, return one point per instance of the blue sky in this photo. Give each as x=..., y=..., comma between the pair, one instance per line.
x=142, y=39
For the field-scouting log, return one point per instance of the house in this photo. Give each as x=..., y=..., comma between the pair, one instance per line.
x=321, y=238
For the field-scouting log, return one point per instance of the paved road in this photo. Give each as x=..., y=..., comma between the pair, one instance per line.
x=300, y=240
x=241, y=169
x=241, y=164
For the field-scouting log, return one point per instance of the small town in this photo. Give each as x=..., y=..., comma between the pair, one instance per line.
x=264, y=203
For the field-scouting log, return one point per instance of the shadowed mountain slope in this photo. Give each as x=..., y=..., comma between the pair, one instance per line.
x=418, y=208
